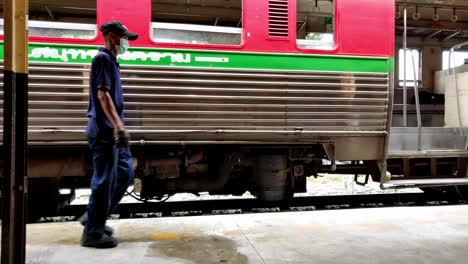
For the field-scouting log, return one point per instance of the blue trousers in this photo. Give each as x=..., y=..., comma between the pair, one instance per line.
x=113, y=174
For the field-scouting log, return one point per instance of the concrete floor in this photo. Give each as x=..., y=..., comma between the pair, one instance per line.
x=380, y=235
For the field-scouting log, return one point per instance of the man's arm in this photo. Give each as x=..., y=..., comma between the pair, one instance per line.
x=121, y=136
x=109, y=109
x=103, y=79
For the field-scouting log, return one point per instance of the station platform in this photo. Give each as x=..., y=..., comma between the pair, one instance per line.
x=436, y=234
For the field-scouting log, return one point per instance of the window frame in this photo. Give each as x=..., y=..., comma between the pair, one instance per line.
x=200, y=45
x=56, y=25
x=335, y=35
x=61, y=25
x=410, y=82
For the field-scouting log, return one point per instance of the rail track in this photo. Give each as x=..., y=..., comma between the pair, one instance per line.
x=248, y=205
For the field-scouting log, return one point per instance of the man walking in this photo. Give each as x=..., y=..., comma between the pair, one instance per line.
x=107, y=138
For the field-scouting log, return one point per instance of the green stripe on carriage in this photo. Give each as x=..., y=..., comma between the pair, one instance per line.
x=41, y=52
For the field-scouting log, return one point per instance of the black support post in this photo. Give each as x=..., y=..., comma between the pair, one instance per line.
x=15, y=123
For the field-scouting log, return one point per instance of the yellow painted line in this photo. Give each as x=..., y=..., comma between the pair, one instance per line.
x=232, y=233
x=164, y=236
x=169, y=236
x=237, y=232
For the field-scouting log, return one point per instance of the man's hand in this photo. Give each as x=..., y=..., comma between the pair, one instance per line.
x=121, y=138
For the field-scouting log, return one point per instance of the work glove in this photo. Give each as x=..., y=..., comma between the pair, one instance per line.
x=121, y=138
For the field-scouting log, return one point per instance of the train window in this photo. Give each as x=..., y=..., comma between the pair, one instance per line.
x=64, y=19
x=410, y=78
x=315, y=24
x=197, y=22
x=458, y=58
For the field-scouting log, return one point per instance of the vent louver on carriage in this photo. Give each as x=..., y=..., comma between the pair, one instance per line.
x=229, y=105
x=278, y=18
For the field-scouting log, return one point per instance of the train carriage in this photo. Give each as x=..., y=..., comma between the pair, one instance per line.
x=228, y=96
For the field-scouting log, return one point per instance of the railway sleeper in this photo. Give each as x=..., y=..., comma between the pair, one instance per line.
x=271, y=173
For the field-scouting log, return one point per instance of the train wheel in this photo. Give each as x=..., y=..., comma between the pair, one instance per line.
x=271, y=177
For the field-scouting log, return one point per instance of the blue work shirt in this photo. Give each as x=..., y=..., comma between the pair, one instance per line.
x=104, y=75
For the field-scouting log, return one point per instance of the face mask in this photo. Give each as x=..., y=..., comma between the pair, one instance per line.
x=123, y=47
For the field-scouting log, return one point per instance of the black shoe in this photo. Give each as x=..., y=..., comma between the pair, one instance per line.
x=98, y=241
x=107, y=229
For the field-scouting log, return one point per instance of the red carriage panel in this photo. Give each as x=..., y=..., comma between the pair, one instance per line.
x=362, y=28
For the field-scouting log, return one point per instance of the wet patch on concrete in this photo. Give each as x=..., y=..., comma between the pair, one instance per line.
x=199, y=249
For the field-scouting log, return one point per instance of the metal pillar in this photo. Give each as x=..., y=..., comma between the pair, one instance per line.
x=15, y=109
x=405, y=48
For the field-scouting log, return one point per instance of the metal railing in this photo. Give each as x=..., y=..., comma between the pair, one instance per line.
x=452, y=70
x=416, y=94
